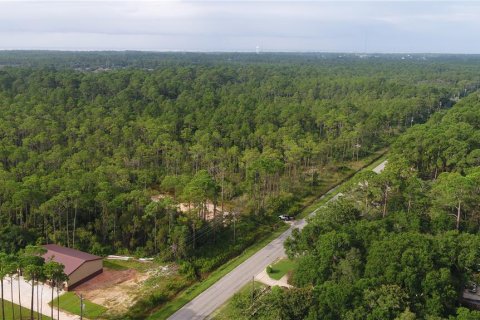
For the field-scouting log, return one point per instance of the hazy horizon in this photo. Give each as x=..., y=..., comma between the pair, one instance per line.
x=234, y=26
x=359, y=53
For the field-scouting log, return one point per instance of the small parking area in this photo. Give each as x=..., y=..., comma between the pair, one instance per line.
x=44, y=297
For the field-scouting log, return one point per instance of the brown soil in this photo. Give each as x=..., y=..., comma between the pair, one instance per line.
x=113, y=289
x=185, y=207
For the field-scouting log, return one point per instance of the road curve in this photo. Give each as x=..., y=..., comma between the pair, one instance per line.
x=216, y=295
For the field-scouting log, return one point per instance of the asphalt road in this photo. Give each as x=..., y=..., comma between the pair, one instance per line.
x=212, y=298
x=380, y=167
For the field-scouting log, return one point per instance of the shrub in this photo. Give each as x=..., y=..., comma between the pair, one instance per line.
x=269, y=269
x=140, y=308
x=188, y=270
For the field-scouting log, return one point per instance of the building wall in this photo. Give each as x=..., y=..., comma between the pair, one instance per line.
x=87, y=269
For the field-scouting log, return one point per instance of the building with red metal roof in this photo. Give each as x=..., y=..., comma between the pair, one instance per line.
x=79, y=266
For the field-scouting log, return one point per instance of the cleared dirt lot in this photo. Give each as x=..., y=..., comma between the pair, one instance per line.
x=114, y=289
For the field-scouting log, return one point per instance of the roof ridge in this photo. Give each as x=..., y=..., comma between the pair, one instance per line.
x=70, y=252
x=72, y=259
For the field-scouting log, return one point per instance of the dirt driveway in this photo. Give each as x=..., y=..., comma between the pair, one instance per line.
x=114, y=289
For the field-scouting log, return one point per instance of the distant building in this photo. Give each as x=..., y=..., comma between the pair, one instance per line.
x=79, y=266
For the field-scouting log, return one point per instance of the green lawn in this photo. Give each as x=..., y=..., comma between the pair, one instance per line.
x=279, y=269
x=121, y=265
x=71, y=302
x=189, y=294
x=114, y=265
x=25, y=312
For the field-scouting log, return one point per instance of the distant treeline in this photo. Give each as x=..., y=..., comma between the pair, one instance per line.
x=144, y=59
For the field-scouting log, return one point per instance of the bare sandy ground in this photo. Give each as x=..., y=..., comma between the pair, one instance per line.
x=115, y=290
x=265, y=278
x=185, y=207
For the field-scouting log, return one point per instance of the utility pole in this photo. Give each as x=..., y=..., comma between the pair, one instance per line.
x=253, y=289
x=81, y=306
x=234, y=226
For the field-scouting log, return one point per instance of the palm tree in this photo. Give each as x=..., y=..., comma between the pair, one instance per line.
x=3, y=274
x=53, y=272
x=19, y=265
x=60, y=278
x=33, y=262
x=40, y=278
x=12, y=269
x=49, y=271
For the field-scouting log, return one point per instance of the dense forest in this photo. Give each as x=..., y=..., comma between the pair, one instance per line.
x=81, y=153
x=402, y=244
x=89, y=140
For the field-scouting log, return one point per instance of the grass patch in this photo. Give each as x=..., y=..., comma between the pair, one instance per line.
x=70, y=302
x=281, y=268
x=187, y=295
x=9, y=311
x=114, y=265
x=121, y=265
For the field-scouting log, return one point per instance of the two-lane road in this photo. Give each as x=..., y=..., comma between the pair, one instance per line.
x=212, y=298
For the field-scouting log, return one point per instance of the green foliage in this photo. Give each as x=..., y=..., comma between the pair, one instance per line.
x=400, y=244
x=452, y=191
x=385, y=302
x=13, y=238
x=82, y=153
x=15, y=315
x=196, y=130
x=465, y=314
x=295, y=303
x=188, y=270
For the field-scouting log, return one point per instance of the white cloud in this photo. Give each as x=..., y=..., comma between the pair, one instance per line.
x=239, y=25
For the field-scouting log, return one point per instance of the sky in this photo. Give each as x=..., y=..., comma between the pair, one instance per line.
x=286, y=26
